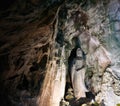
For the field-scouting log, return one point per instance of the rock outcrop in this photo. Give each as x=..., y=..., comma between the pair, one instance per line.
x=60, y=52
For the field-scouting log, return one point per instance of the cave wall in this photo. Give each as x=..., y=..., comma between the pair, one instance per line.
x=38, y=45
x=27, y=33
x=89, y=27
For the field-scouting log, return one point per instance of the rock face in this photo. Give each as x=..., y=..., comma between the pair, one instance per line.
x=54, y=50
x=27, y=33
x=105, y=28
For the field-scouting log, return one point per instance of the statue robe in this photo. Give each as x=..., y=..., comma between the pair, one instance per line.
x=77, y=78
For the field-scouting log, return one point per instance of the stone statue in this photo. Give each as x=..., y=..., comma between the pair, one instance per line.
x=78, y=75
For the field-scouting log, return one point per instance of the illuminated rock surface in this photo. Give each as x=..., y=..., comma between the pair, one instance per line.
x=39, y=64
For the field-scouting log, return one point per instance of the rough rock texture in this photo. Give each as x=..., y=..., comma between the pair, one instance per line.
x=105, y=27
x=27, y=33
x=39, y=62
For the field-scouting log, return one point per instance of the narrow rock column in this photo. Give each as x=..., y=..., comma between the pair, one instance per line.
x=54, y=83
x=58, y=89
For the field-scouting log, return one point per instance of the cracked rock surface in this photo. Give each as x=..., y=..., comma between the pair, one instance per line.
x=40, y=61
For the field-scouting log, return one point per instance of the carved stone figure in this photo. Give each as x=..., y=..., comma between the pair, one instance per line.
x=78, y=75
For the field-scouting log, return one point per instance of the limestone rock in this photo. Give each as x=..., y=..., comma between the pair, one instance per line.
x=84, y=105
x=38, y=44
x=64, y=103
x=84, y=41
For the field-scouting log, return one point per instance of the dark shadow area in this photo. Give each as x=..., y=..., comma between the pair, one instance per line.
x=4, y=63
x=5, y=4
x=23, y=84
x=80, y=101
x=4, y=96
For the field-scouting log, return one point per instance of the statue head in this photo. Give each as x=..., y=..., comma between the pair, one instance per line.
x=79, y=53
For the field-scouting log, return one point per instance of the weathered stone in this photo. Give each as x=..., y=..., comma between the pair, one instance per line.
x=113, y=10
x=117, y=26
x=69, y=97
x=84, y=41
x=70, y=90
x=64, y=103
x=84, y=105
x=93, y=44
x=46, y=34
